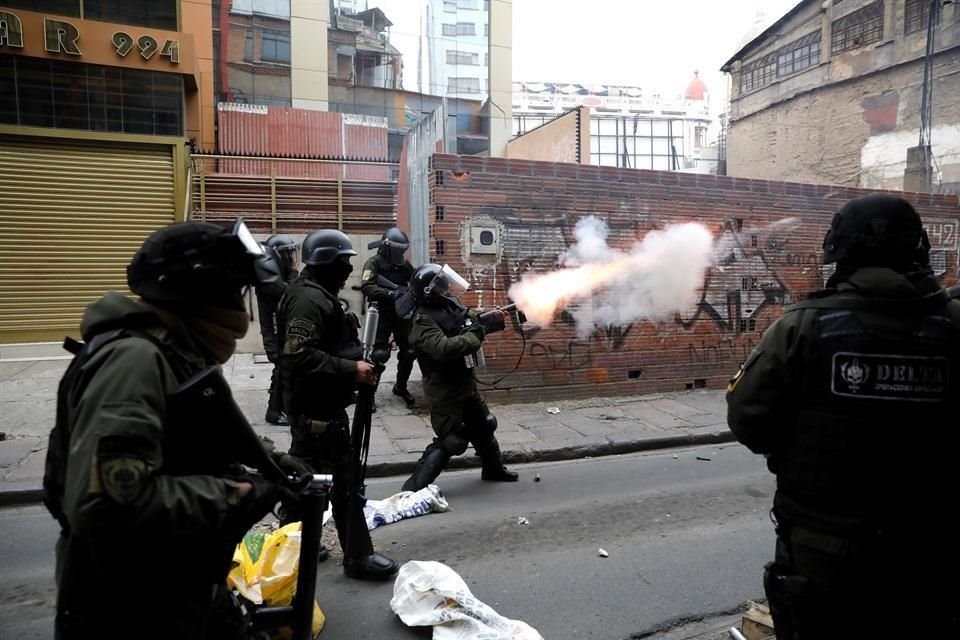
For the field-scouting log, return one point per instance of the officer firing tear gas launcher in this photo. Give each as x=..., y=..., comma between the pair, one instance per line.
x=448, y=338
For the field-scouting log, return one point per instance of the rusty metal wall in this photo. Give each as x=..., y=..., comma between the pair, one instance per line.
x=282, y=132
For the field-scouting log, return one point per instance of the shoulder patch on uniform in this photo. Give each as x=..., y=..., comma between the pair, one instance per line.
x=300, y=328
x=367, y=274
x=735, y=380
x=123, y=479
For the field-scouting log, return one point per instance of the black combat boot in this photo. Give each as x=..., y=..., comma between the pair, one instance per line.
x=428, y=468
x=404, y=394
x=492, y=460
x=376, y=566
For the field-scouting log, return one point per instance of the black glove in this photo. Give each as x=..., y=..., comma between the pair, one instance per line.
x=260, y=501
x=492, y=321
x=396, y=294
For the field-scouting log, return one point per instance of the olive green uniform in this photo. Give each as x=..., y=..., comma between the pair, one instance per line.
x=458, y=414
x=140, y=546
x=853, y=397
x=318, y=366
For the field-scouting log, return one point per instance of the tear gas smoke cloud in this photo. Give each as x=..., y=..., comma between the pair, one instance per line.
x=659, y=276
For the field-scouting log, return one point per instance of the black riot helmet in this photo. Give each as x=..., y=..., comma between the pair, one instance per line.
x=325, y=246
x=431, y=283
x=421, y=281
x=200, y=263
x=877, y=231
x=285, y=249
x=393, y=244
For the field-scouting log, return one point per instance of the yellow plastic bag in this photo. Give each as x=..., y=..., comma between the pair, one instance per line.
x=265, y=569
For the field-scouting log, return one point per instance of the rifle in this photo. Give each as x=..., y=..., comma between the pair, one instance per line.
x=362, y=415
x=405, y=303
x=230, y=439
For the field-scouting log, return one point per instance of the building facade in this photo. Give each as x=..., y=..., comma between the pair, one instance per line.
x=100, y=103
x=458, y=34
x=843, y=92
x=629, y=127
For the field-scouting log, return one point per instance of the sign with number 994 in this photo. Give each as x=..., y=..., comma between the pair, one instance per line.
x=148, y=46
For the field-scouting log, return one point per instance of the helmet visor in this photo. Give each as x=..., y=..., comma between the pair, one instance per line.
x=448, y=283
x=242, y=233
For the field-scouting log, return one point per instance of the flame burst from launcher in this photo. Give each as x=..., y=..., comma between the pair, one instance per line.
x=660, y=276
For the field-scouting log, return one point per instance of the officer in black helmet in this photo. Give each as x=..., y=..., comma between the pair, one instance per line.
x=320, y=364
x=145, y=544
x=284, y=250
x=390, y=265
x=852, y=396
x=446, y=336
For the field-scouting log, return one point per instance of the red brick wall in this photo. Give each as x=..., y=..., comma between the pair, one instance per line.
x=535, y=205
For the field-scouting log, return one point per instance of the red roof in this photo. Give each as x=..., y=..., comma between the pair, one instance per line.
x=696, y=89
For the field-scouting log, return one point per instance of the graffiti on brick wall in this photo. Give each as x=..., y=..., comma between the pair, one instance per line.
x=943, y=242
x=745, y=281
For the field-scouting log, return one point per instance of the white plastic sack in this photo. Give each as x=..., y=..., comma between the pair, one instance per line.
x=406, y=504
x=432, y=594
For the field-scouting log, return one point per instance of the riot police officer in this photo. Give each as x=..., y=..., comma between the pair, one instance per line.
x=284, y=251
x=389, y=266
x=147, y=537
x=320, y=364
x=853, y=397
x=445, y=336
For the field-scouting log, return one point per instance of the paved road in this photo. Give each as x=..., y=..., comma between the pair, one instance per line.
x=685, y=537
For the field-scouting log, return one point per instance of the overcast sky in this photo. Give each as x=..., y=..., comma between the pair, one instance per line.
x=647, y=43
x=654, y=44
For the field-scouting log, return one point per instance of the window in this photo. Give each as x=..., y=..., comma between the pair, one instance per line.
x=463, y=85
x=449, y=29
x=462, y=57
x=799, y=54
x=161, y=14
x=486, y=30
x=466, y=29
x=466, y=4
x=275, y=46
x=790, y=58
x=858, y=29
x=758, y=73
x=486, y=59
x=248, y=47
x=450, y=5
x=56, y=7
x=699, y=136
x=916, y=15
x=74, y=95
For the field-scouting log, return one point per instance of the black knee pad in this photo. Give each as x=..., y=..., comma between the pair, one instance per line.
x=489, y=423
x=453, y=445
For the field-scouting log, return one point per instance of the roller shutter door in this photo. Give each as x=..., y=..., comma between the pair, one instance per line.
x=71, y=216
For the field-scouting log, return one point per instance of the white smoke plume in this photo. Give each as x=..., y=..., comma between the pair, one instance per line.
x=658, y=277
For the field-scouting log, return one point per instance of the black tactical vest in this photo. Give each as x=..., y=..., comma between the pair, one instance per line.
x=878, y=396
x=319, y=395
x=450, y=319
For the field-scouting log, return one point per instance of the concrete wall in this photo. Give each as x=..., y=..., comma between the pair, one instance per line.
x=535, y=206
x=564, y=139
x=850, y=119
x=309, y=21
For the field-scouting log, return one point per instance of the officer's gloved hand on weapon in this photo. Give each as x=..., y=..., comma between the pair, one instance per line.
x=495, y=319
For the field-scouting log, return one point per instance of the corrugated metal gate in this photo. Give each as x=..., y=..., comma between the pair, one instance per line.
x=72, y=215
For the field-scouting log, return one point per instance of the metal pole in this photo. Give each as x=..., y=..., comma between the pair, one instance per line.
x=273, y=198
x=203, y=197
x=340, y=202
x=314, y=501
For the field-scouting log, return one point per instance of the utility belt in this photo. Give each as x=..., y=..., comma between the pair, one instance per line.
x=315, y=425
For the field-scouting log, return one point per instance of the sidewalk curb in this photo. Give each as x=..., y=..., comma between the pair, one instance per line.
x=21, y=497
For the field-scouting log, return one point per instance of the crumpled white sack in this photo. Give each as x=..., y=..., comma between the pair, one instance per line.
x=433, y=594
x=406, y=504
